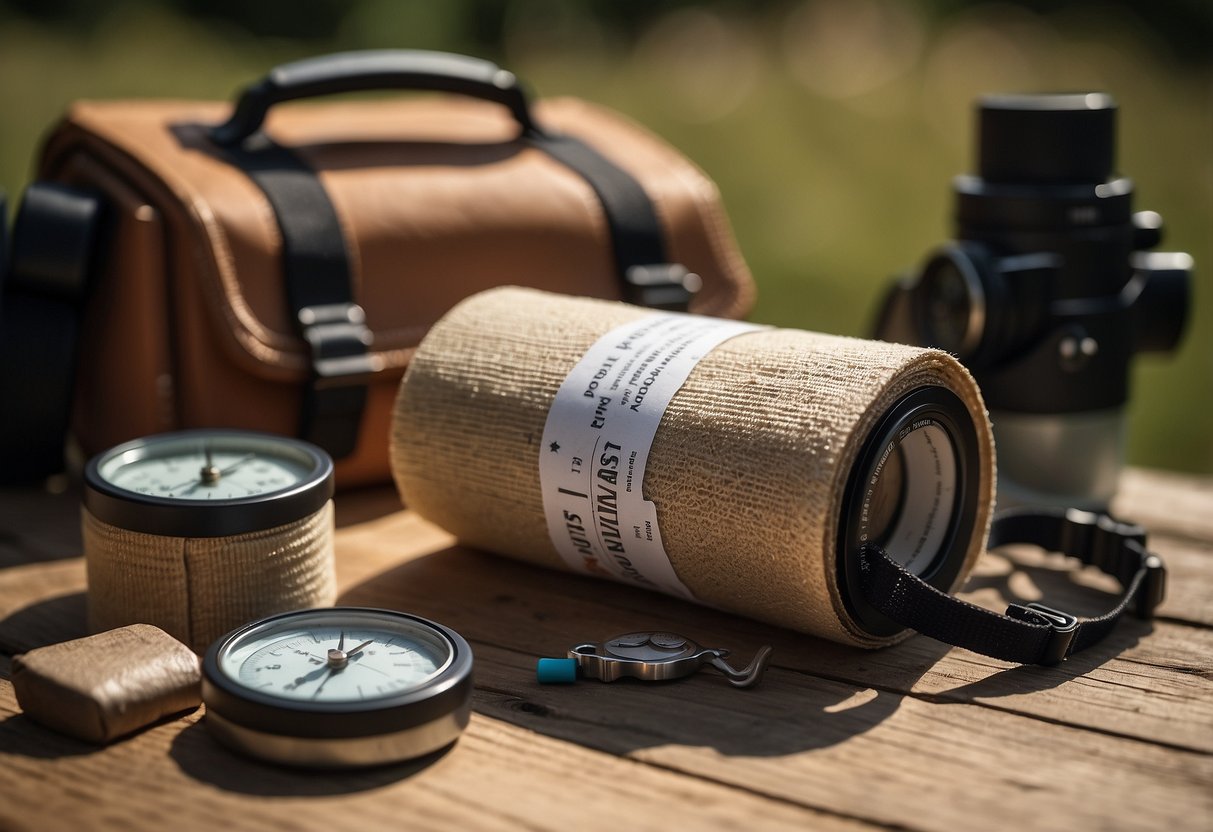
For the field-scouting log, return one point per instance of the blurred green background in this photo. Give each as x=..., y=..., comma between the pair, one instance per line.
x=833, y=127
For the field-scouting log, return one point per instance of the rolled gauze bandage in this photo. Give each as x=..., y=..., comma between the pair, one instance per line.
x=777, y=455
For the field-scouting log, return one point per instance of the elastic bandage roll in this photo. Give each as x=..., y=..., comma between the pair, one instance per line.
x=747, y=468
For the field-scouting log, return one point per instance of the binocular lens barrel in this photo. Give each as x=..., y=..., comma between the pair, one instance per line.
x=1047, y=139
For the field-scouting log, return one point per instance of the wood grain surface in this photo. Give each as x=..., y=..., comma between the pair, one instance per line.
x=918, y=736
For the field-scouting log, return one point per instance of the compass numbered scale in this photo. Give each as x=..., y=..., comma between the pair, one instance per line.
x=199, y=531
x=338, y=687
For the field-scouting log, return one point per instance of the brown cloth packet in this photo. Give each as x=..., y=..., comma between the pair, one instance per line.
x=104, y=686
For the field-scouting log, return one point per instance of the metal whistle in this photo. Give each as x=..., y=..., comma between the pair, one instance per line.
x=651, y=656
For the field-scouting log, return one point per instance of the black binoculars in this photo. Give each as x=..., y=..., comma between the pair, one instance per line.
x=1047, y=292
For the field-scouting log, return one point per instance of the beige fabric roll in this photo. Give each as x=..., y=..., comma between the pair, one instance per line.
x=788, y=409
x=197, y=589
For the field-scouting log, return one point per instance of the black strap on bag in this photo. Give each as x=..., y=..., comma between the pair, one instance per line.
x=1027, y=633
x=49, y=278
x=319, y=291
x=316, y=263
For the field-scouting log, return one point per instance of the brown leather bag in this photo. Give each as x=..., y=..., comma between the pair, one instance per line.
x=273, y=268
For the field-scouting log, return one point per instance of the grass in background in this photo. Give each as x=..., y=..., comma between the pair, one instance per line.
x=833, y=128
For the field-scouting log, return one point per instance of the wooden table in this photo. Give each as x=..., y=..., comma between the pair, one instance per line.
x=917, y=736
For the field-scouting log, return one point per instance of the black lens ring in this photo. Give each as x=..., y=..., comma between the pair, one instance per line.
x=944, y=409
x=985, y=294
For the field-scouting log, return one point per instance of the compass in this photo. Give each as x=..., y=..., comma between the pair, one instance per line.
x=338, y=687
x=198, y=531
x=207, y=483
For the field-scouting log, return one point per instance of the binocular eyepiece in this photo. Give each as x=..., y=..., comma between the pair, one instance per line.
x=1047, y=292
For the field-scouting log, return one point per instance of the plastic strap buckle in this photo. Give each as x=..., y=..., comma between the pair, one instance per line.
x=1062, y=626
x=1153, y=587
x=666, y=286
x=335, y=397
x=1101, y=541
x=339, y=340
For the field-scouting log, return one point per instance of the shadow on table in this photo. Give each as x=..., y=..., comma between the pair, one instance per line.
x=198, y=755
x=1031, y=679
x=48, y=621
x=514, y=613
x=21, y=735
x=1036, y=577
x=816, y=694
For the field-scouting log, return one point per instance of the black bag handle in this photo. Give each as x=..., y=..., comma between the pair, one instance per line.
x=364, y=71
x=316, y=265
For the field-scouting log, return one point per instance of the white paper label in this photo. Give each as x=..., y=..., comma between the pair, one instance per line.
x=596, y=444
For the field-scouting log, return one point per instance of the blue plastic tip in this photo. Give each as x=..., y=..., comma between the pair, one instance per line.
x=556, y=671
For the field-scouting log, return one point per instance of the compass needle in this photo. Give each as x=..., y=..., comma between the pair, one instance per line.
x=358, y=649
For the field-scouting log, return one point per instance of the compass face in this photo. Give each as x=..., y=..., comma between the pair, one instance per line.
x=341, y=686
x=322, y=657
x=207, y=466
x=207, y=483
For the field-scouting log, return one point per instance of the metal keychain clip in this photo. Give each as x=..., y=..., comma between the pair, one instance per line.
x=651, y=656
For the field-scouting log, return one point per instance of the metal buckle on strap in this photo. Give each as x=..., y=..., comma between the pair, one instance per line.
x=661, y=286
x=339, y=340
x=1062, y=627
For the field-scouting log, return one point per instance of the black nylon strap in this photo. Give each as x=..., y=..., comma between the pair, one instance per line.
x=635, y=232
x=319, y=292
x=1031, y=633
x=48, y=282
x=637, y=242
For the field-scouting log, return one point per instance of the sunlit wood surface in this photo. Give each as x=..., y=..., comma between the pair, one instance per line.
x=916, y=736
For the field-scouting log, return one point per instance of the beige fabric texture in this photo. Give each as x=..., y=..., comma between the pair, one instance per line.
x=104, y=686
x=197, y=589
x=747, y=468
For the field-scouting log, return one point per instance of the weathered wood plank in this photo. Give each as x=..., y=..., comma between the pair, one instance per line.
x=914, y=735
x=1167, y=502
x=1189, y=578
x=497, y=777
x=798, y=740
x=1152, y=682
x=888, y=758
x=1152, y=685
x=1157, y=688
